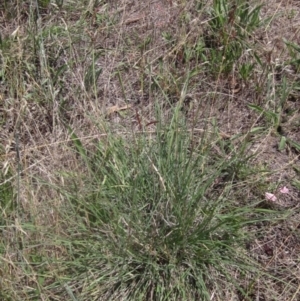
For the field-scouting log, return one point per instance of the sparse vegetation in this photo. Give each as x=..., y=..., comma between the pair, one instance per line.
x=149, y=150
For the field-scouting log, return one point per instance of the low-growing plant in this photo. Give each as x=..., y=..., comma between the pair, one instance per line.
x=230, y=25
x=7, y=205
x=150, y=225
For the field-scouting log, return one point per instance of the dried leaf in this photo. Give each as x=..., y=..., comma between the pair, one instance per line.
x=270, y=197
x=284, y=190
x=115, y=109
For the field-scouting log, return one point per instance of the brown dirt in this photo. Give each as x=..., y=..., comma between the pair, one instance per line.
x=44, y=141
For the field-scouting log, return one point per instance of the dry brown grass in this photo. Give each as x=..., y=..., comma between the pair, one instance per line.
x=146, y=53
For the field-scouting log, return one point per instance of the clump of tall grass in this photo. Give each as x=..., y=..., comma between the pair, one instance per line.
x=149, y=224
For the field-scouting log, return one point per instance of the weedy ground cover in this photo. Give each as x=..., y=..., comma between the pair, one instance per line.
x=149, y=150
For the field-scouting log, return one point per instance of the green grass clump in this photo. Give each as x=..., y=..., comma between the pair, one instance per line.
x=149, y=224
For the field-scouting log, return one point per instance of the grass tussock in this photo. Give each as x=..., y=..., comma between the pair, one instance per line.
x=149, y=150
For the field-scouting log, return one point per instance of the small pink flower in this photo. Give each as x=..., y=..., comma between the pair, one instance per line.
x=284, y=190
x=270, y=197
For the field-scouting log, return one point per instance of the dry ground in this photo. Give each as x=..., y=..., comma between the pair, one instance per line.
x=139, y=47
